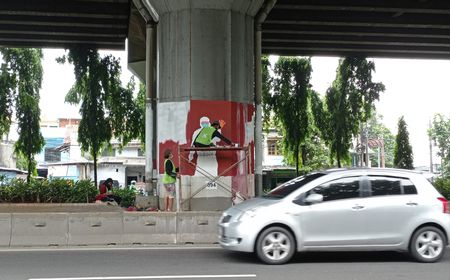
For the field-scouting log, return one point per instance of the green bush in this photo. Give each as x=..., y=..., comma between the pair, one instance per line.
x=47, y=191
x=443, y=186
x=127, y=195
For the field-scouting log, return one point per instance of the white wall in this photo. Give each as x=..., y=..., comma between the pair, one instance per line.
x=113, y=171
x=128, y=152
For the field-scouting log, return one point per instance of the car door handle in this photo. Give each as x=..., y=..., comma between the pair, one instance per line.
x=412, y=204
x=358, y=207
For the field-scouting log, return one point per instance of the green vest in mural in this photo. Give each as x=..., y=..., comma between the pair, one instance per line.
x=204, y=136
x=167, y=179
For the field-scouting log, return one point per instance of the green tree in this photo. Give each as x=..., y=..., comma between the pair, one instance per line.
x=377, y=130
x=140, y=105
x=403, y=156
x=107, y=107
x=267, y=84
x=349, y=102
x=7, y=90
x=440, y=133
x=314, y=151
x=21, y=77
x=289, y=102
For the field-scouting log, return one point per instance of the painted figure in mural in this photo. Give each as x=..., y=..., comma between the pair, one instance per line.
x=208, y=135
x=169, y=180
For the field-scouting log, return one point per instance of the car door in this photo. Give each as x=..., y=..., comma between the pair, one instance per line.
x=339, y=220
x=392, y=205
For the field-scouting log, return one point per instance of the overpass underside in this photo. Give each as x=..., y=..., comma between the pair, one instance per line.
x=64, y=23
x=383, y=28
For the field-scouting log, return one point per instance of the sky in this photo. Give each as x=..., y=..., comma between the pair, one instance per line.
x=59, y=78
x=416, y=89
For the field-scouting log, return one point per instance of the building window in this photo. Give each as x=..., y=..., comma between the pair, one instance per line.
x=52, y=155
x=273, y=148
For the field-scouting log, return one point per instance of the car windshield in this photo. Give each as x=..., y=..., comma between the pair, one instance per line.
x=292, y=185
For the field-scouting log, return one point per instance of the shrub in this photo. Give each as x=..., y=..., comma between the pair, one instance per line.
x=84, y=191
x=443, y=186
x=47, y=191
x=127, y=195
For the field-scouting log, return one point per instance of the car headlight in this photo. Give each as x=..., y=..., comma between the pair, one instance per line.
x=247, y=215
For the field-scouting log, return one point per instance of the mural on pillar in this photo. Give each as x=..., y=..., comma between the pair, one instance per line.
x=179, y=124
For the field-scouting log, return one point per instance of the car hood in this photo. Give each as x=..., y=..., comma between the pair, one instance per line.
x=255, y=203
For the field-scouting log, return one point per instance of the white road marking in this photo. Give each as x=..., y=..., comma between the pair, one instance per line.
x=153, y=277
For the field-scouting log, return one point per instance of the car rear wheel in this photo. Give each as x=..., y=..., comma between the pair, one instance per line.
x=275, y=245
x=427, y=244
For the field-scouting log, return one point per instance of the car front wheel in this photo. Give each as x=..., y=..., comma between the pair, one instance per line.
x=275, y=245
x=427, y=244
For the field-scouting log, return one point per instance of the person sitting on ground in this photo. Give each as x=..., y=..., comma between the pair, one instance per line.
x=106, y=194
x=205, y=136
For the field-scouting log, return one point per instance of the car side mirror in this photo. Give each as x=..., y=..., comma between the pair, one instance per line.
x=314, y=198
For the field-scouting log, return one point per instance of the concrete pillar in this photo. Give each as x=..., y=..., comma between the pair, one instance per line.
x=149, y=104
x=258, y=113
x=206, y=72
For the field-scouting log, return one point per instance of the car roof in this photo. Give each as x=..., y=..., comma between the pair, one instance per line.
x=375, y=170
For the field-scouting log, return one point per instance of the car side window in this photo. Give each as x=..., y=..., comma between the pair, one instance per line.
x=381, y=186
x=408, y=187
x=343, y=188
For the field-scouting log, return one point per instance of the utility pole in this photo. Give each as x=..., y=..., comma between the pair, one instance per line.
x=366, y=130
x=431, y=148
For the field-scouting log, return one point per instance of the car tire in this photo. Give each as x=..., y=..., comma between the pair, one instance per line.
x=275, y=245
x=427, y=244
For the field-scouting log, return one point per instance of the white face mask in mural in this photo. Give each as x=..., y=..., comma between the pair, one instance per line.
x=204, y=122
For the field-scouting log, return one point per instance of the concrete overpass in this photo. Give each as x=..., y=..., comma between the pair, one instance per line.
x=384, y=28
x=199, y=57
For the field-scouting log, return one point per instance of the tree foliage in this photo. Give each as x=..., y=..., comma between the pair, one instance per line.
x=403, y=156
x=20, y=81
x=107, y=108
x=440, y=133
x=289, y=102
x=267, y=84
x=349, y=102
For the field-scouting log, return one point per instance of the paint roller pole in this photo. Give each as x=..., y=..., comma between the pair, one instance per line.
x=149, y=90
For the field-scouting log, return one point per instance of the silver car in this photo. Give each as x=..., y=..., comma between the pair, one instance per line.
x=341, y=209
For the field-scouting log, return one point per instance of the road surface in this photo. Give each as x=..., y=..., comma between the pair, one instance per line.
x=211, y=262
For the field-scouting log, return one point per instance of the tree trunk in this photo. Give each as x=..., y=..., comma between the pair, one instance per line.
x=338, y=160
x=304, y=155
x=296, y=159
x=95, y=169
x=30, y=165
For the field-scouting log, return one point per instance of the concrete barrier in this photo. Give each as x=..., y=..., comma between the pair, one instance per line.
x=39, y=229
x=5, y=229
x=149, y=228
x=95, y=228
x=107, y=228
x=197, y=227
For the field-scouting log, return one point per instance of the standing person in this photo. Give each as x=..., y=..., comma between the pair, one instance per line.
x=169, y=179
